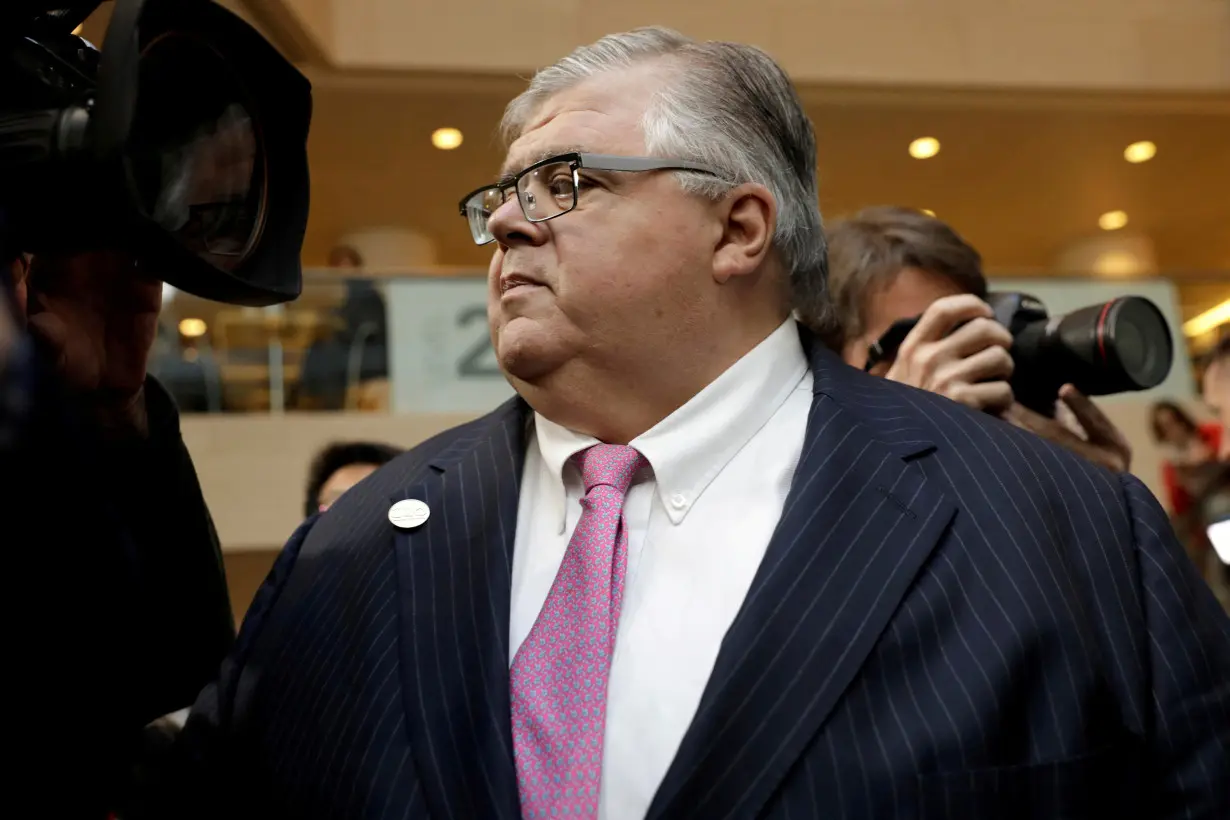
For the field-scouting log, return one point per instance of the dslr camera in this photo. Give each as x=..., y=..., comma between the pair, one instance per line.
x=183, y=141
x=1114, y=347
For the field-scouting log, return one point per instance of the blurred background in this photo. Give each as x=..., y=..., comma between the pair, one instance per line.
x=1082, y=147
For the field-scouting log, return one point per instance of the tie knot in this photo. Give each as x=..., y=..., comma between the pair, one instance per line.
x=611, y=465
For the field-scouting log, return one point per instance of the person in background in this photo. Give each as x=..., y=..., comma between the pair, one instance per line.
x=1187, y=445
x=888, y=263
x=336, y=370
x=1216, y=383
x=344, y=256
x=1190, y=472
x=340, y=466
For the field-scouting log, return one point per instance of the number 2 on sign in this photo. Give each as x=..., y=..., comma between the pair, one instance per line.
x=478, y=361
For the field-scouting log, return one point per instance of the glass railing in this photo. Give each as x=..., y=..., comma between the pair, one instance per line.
x=417, y=341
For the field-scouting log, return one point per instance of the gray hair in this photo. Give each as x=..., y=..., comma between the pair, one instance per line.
x=733, y=109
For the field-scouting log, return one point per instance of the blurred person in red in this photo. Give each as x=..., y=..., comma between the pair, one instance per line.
x=1216, y=383
x=1191, y=474
x=1186, y=445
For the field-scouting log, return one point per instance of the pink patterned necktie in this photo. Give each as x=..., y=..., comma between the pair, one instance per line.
x=559, y=675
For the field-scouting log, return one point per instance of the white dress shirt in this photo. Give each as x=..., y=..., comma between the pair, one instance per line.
x=699, y=522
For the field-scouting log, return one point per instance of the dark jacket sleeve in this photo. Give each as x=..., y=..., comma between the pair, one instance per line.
x=1189, y=672
x=117, y=579
x=209, y=760
x=183, y=626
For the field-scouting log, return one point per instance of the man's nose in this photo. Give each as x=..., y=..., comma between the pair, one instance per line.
x=510, y=227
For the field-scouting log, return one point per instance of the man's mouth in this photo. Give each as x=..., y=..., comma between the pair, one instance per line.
x=513, y=281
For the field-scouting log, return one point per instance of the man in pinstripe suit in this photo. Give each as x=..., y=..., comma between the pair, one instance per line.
x=826, y=595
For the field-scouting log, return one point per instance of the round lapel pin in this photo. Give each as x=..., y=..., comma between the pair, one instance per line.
x=409, y=513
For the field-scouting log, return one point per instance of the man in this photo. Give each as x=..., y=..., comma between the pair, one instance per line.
x=699, y=567
x=120, y=610
x=888, y=264
x=1216, y=383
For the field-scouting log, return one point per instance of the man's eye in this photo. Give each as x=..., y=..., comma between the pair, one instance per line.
x=560, y=186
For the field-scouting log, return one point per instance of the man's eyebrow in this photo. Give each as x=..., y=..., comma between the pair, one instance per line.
x=511, y=169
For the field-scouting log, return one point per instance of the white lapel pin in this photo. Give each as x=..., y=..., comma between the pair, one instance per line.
x=409, y=513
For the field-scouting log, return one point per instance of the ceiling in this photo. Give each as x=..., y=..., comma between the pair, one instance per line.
x=1020, y=176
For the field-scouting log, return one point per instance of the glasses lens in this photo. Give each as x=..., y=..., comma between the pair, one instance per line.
x=547, y=191
x=479, y=209
x=194, y=156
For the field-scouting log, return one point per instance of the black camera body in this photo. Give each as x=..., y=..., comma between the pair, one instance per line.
x=183, y=141
x=1113, y=347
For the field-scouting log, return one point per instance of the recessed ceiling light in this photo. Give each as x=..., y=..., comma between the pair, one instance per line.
x=924, y=147
x=192, y=328
x=1142, y=151
x=446, y=139
x=1112, y=220
x=927, y=211
x=1116, y=263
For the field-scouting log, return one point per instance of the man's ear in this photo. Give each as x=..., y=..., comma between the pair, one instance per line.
x=749, y=218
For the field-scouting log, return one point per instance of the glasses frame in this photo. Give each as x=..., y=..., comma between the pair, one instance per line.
x=577, y=160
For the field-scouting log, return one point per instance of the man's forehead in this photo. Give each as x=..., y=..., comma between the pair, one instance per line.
x=600, y=115
x=517, y=160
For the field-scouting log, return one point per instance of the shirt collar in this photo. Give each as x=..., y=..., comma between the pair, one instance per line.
x=691, y=446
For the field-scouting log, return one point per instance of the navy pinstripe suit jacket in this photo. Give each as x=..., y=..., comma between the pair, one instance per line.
x=954, y=619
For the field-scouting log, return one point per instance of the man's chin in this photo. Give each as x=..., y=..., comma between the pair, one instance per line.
x=528, y=352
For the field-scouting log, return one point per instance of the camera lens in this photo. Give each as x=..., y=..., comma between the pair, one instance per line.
x=1116, y=346
x=195, y=157
x=1130, y=346
x=1135, y=335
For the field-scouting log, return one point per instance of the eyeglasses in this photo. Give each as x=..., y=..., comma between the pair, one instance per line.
x=549, y=188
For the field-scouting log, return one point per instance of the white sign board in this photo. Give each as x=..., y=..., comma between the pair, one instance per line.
x=440, y=354
x=1063, y=296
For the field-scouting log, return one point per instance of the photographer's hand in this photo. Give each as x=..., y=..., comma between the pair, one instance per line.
x=99, y=315
x=971, y=365
x=1102, y=442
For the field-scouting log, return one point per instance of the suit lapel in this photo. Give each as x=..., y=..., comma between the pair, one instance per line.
x=454, y=574
x=859, y=522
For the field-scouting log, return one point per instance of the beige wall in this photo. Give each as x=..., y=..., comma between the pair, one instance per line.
x=1104, y=44
x=253, y=468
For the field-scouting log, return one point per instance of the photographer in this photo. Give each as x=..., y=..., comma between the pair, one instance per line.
x=118, y=588
x=888, y=264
